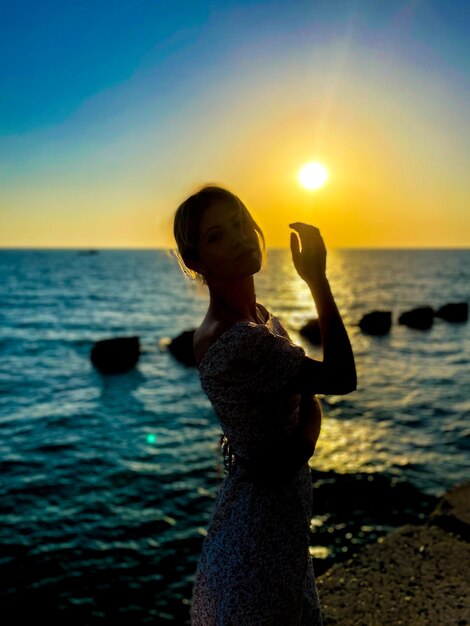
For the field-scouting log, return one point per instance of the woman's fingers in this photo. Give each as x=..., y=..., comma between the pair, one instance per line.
x=311, y=260
x=304, y=230
x=294, y=245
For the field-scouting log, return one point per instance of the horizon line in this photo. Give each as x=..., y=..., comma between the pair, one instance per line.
x=104, y=248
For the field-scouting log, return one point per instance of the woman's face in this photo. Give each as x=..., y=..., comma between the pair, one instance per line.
x=228, y=243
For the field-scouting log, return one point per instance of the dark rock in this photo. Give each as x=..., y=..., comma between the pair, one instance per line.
x=113, y=356
x=421, y=317
x=363, y=506
x=453, y=312
x=452, y=512
x=376, y=322
x=181, y=347
x=399, y=581
x=311, y=331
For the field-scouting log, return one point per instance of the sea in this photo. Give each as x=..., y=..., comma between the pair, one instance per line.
x=108, y=481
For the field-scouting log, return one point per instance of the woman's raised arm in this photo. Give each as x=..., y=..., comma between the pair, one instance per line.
x=338, y=369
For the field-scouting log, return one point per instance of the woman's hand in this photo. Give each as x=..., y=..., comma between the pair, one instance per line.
x=310, y=263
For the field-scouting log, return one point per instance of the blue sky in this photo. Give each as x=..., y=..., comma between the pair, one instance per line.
x=56, y=55
x=91, y=85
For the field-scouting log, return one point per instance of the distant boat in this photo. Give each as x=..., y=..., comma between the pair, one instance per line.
x=91, y=251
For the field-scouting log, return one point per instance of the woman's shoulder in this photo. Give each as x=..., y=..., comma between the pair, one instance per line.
x=206, y=335
x=211, y=329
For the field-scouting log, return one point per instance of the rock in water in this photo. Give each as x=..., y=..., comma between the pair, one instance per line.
x=113, y=356
x=421, y=317
x=311, y=330
x=376, y=322
x=453, y=312
x=181, y=347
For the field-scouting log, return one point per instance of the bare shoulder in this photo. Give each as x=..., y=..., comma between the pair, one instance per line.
x=211, y=329
x=205, y=335
x=264, y=310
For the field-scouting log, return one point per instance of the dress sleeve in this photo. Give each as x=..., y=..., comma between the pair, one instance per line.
x=251, y=359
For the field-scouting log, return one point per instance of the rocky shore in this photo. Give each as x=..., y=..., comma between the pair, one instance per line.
x=418, y=575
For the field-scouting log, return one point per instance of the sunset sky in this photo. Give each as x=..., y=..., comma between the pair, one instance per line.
x=111, y=113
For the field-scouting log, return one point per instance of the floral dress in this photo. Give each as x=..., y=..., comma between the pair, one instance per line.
x=255, y=567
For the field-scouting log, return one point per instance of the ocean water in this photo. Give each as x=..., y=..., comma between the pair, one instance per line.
x=108, y=481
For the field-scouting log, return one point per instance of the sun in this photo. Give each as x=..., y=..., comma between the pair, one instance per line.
x=313, y=175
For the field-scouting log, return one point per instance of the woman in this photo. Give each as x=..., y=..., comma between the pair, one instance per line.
x=255, y=566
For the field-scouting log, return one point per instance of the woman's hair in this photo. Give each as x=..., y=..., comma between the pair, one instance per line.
x=187, y=219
